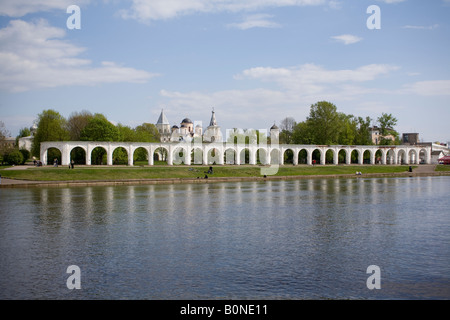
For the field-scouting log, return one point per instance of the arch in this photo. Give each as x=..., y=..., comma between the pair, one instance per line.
x=342, y=156
x=412, y=156
x=367, y=156
x=230, y=156
x=391, y=157
x=140, y=156
x=180, y=156
x=316, y=156
x=329, y=156
x=379, y=156
x=196, y=155
x=261, y=156
x=275, y=156
x=78, y=155
x=302, y=157
x=288, y=156
x=160, y=155
x=423, y=156
x=213, y=156
x=354, y=156
x=244, y=156
x=53, y=154
x=119, y=156
x=401, y=157
x=99, y=156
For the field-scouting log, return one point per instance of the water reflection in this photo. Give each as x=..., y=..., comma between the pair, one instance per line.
x=311, y=238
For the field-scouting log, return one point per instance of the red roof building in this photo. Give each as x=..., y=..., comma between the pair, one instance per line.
x=444, y=160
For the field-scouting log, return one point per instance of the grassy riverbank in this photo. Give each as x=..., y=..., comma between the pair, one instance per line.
x=84, y=173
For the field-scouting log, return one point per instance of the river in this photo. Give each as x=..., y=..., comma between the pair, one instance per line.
x=297, y=239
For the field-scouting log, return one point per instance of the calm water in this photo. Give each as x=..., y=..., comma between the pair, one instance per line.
x=252, y=240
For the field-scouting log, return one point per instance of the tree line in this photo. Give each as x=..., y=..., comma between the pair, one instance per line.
x=85, y=126
x=325, y=125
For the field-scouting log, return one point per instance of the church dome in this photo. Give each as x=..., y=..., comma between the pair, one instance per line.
x=274, y=127
x=186, y=120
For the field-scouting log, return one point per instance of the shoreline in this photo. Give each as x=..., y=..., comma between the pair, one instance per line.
x=18, y=183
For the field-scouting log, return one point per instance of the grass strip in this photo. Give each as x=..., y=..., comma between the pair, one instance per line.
x=82, y=173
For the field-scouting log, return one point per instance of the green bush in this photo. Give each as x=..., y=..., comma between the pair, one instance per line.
x=26, y=155
x=14, y=157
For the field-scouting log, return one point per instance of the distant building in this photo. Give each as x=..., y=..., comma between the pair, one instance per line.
x=163, y=127
x=436, y=155
x=8, y=142
x=410, y=138
x=27, y=142
x=375, y=135
x=213, y=132
x=186, y=131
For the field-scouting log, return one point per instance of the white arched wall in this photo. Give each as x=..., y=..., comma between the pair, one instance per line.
x=389, y=154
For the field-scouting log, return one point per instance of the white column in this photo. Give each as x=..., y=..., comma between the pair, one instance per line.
x=309, y=156
x=109, y=155
x=130, y=156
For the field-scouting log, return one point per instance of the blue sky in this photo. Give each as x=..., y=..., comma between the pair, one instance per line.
x=255, y=62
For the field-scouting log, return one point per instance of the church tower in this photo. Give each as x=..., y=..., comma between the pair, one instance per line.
x=274, y=134
x=213, y=133
x=163, y=127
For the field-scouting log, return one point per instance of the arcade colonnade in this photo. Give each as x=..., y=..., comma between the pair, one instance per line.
x=229, y=153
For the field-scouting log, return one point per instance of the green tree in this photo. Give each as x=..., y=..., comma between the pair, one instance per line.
x=51, y=126
x=147, y=132
x=287, y=126
x=362, y=132
x=302, y=133
x=24, y=132
x=347, y=129
x=387, y=122
x=14, y=157
x=26, y=155
x=4, y=148
x=324, y=123
x=126, y=134
x=99, y=128
x=76, y=122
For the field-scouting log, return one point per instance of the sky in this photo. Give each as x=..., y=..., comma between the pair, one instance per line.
x=255, y=62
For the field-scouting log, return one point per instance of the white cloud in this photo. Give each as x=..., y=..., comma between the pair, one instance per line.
x=347, y=39
x=392, y=1
x=313, y=75
x=428, y=88
x=255, y=21
x=334, y=4
x=295, y=89
x=19, y=8
x=147, y=10
x=35, y=55
x=432, y=27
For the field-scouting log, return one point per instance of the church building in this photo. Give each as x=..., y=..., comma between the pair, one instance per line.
x=186, y=131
